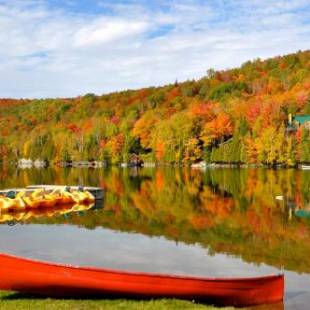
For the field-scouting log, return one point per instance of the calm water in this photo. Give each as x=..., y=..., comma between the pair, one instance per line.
x=223, y=222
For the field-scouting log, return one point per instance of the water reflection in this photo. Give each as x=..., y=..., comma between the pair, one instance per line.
x=12, y=217
x=216, y=222
x=224, y=210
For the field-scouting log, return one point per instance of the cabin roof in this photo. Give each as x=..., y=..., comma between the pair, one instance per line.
x=302, y=118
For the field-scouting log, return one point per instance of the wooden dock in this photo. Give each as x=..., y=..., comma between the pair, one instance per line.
x=97, y=192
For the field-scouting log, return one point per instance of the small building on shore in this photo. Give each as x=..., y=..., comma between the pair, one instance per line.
x=25, y=163
x=297, y=121
x=302, y=120
x=40, y=163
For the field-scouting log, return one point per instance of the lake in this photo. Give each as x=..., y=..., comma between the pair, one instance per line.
x=218, y=222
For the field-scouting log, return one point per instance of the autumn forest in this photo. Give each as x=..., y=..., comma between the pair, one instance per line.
x=233, y=116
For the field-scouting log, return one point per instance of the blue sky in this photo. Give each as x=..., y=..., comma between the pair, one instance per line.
x=54, y=48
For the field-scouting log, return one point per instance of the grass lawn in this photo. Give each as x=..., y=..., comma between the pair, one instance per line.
x=9, y=300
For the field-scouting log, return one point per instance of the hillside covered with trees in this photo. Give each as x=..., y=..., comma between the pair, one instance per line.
x=233, y=116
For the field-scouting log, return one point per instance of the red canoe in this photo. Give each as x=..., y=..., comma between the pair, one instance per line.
x=55, y=280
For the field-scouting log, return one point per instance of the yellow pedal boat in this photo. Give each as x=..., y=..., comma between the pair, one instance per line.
x=39, y=198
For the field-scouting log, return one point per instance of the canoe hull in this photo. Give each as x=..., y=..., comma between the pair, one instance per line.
x=54, y=280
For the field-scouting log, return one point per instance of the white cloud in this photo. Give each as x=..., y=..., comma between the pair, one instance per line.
x=103, y=31
x=46, y=51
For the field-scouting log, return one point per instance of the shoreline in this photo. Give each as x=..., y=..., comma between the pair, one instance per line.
x=28, y=163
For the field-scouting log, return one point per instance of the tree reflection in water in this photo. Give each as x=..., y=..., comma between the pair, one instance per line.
x=232, y=211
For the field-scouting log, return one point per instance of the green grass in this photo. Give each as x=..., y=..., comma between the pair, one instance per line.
x=11, y=300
